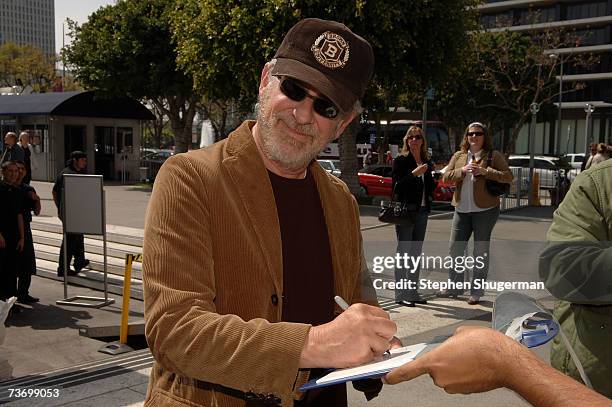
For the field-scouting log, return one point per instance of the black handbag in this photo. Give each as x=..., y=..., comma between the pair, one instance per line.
x=493, y=187
x=398, y=213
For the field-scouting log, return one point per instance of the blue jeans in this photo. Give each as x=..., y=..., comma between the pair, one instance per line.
x=410, y=242
x=464, y=224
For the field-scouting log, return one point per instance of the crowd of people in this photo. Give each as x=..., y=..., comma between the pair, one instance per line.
x=18, y=201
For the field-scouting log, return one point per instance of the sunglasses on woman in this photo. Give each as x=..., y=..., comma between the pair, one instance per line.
x=475, y=133
x=294, y=91
x=417, y=137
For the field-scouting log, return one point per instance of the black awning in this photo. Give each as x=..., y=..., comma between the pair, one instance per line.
x=83, y=104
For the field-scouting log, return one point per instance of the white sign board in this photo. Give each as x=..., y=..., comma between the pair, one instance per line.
x=84, y=204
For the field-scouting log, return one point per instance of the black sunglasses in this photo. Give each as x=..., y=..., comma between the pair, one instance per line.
x=415, y=137
x=475, y=133
x=296, y=92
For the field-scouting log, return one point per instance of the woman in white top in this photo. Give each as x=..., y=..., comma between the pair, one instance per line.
x=476, y=209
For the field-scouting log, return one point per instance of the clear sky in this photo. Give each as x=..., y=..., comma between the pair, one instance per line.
x=77, y=10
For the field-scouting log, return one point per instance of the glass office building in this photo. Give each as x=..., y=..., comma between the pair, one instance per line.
x=589, y=20
x=30, y=22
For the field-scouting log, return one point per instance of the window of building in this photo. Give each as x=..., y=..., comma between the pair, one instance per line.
x=105, y=140
x=496, y=20
x=586, y=10
x=541, y=15
x=591, y=36
x=38, y=136
x=125, y=139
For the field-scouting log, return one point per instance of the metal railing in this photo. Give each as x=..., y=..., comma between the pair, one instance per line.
x=149, y=169
x=553, y=185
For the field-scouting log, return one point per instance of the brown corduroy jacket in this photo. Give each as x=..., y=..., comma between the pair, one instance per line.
x=498, y=171
x=213, y=276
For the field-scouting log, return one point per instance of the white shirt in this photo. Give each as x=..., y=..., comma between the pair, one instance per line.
x=466, y=200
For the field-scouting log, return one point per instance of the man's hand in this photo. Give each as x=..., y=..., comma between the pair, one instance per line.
x=473, y=360
x=2, y=242
x=357, y=336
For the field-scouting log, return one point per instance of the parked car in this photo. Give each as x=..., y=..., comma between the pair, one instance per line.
x=444, y=190
x=575, y=159
x=331, y=166
x=375, y=180
x=549, y=169
x=153, y=161
x=158, y=156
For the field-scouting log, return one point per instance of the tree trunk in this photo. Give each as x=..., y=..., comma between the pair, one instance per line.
x=181, y=113
x=511, y=143
x=347, y=150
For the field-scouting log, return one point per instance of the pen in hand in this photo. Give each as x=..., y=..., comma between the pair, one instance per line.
x=341, y=303
x=344, y=305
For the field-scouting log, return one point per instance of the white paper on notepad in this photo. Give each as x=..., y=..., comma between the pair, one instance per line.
x=396, y=358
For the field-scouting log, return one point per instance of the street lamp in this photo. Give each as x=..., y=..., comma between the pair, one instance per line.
x=534, y=108
x=558, y=133
x=588, y=109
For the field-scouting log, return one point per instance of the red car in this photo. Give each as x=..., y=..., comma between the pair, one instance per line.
x=443, y=191
x=375, y=180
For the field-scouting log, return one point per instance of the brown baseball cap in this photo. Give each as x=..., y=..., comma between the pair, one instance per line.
x=328, y=56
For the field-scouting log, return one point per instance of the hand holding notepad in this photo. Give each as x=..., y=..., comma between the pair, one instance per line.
x=395, y=358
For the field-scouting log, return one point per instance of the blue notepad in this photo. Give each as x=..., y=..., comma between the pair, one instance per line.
x=373, y=370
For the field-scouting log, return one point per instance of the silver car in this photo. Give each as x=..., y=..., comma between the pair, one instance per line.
x=331, y=166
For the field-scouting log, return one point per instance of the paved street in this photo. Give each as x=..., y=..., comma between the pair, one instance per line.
x=46, y=337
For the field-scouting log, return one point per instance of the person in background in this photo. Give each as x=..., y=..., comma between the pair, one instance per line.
x=576, y=268
x=601, y=155
x=389, y=158
x=12, y=151
x=368, y=159
x=476, y=209
x=586, y=163
x=28, y=157
x=75, y=241
x=478, y=359
x=26, y=262
x=413, y=184
x=11, y=230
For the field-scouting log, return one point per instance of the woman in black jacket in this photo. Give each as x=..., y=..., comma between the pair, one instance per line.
x=412, y=184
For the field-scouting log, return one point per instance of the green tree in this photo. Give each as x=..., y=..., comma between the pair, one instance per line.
x=224, y=44
x=127, y=49
x=504, y=73
x=26, y=66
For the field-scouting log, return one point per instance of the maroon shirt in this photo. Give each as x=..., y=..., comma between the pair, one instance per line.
x=308, y=278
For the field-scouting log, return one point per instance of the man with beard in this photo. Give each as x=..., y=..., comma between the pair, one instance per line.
x=248, y=241
x=11, y=229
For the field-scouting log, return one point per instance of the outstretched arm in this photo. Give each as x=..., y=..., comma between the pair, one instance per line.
x=478, y=359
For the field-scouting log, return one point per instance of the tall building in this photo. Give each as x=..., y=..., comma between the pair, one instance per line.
x=591, y=20
x=30, y=22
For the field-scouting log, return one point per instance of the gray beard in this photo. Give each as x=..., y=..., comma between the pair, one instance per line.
x=275, y=145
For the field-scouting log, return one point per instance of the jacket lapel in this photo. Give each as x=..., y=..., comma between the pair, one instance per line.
x=335, y=215
x=250, y=179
